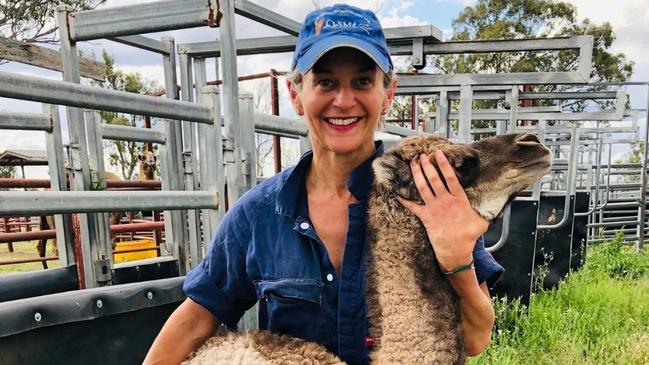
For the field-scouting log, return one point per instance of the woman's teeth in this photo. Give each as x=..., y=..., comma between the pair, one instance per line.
x=345, y=121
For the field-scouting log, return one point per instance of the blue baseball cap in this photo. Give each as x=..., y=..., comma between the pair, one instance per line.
x=336, y=26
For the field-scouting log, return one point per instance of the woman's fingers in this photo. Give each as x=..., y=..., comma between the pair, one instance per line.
x=418, y=176
x=415, y=208
x=433, y=177
x=454, y=186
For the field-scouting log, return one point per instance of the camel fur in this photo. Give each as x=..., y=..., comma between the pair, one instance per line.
x=413, y=312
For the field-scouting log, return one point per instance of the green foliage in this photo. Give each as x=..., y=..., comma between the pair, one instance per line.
x=34, y=20
x=618, y=261
x=599, y=315
x=7, y=171
x=121, y=153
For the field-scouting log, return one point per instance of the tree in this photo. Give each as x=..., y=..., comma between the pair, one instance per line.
x=7, y=171
x=33, y=21
x=516, y=19
x=121, y=153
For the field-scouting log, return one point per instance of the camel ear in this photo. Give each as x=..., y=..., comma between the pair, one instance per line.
x=466, y=162
x=387, y=171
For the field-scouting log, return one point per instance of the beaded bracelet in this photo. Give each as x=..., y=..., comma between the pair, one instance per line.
x=461, y=268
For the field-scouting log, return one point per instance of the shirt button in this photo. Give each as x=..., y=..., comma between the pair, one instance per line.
x=304, y=226
x=330, y=277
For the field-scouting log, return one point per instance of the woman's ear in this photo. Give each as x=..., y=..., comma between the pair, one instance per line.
x=295, y=97
x=390, y=91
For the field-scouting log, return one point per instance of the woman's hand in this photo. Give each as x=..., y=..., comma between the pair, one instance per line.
x=453, y=226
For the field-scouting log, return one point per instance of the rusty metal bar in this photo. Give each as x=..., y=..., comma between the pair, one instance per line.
x=277, y=140
x=9, y=183
x=27, y=261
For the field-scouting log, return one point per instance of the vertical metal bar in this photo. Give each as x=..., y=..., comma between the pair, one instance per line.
x=96, y=161
x=513, y=108
x=206, y=137
x=58, y=182
x=230, y=102
x=536, y=188
x=414, y=122
x=80, y=171
x=442, y=114
x=642, y=212
x=213, y=177
x=277, y=141
x=466, y=101
x=190, y=165
x=248, y=154
x=175, y=227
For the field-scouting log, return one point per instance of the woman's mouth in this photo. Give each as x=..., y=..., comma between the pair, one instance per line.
x=342, y=124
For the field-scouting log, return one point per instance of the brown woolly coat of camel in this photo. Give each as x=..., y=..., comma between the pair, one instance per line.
x=413, y=312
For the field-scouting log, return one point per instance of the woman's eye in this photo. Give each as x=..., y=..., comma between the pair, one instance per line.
x=363, y=82
x=325, y=83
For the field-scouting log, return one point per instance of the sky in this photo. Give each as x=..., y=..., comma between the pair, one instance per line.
x=629, y=18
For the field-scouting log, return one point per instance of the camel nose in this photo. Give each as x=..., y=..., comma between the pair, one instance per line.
x=527, y=139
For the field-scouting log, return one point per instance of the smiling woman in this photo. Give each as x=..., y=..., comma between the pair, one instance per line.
x=297, y=243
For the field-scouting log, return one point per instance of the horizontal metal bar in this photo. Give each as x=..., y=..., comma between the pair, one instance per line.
x=506, y=45
x=279, y=44
x=144, y=43
x=132, y=134
x=401, y=131
x=58, y=202
x=614, y=224
x=428, y=32
x=140, y=18
x=421, y=83
x=25, y=121
x=271, y=124
x=567, y=95
x=267, y=17
x=248, y=46
x=70, y=94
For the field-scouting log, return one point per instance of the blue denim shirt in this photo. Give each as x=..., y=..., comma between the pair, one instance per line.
x=266, y=249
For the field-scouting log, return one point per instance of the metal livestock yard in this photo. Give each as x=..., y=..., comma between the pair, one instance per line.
x=94, y=310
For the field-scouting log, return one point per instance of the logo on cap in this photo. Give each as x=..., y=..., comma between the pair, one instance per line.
x=318, y=25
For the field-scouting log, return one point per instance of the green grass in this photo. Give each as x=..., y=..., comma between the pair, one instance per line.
x=23, y=250
x=599, y=315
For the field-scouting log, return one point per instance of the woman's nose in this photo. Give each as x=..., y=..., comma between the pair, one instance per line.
x=345, y=98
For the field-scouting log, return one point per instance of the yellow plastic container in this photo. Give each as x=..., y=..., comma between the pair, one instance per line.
x=133, y=245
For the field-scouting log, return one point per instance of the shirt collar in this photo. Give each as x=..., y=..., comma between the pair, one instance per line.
x=359, y=184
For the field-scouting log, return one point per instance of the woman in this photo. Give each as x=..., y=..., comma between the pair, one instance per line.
x=296, y=243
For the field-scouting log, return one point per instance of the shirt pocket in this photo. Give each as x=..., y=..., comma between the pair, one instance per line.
x=293, y=307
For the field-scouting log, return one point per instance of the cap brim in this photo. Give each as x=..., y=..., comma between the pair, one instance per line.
x=319, y=49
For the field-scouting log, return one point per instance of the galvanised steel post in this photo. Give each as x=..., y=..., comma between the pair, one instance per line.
x=175, y=226
x=441, y=116
x=80, y=172
x=190, y=164
x=98, y=176
x=213, y=178
x=55, y=162
x=248, y=151
x=464, y=125
x=642, y=209
x=513, y=108
x=232, y=156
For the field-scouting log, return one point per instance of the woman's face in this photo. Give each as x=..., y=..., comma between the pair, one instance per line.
x=342, y=98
